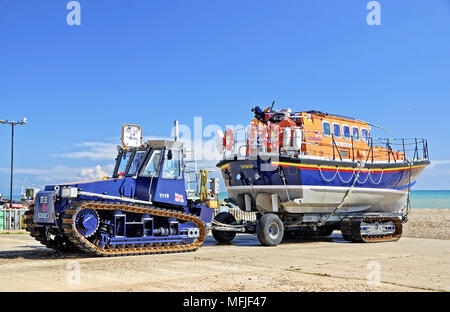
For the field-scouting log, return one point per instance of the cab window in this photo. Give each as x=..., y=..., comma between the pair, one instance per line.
x=326, y=128
x=124, y=159
x=172, y=165
x=135, y=162
x=337, y=130
x=152, y=168
x=346, y=130
x=355, y=133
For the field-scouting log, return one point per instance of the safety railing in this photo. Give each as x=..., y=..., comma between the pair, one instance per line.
x=12, y=219
x=412, y=149
x=313, y=144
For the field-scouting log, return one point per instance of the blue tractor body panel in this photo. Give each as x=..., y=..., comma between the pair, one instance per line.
x=125, y=187
x=170, y=192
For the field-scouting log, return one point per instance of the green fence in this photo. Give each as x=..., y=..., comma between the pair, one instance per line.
x=12, y=219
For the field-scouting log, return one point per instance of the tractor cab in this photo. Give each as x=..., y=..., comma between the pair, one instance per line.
x=156, y=167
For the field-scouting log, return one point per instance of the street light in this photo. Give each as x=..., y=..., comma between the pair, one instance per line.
x=12, y=124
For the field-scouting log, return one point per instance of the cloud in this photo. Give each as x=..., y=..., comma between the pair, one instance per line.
x=438, y=168
x=435, y=163
x=91, y=150
x=57, y=174
x=93, y=173
x=96, y=153
x=97, y=150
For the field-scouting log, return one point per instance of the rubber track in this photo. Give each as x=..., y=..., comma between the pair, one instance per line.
x=308, y=233
x=351, y=230
x=70, y=230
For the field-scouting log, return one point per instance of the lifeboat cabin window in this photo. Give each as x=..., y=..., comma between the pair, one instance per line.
x=355, y=132
x=344, y=153
x=364, y=135
x=326, y=128
x=337, y=130
x=346, y=130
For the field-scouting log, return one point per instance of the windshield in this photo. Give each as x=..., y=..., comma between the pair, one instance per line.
x=152, y=169
x=135, y=162
x=124, y=158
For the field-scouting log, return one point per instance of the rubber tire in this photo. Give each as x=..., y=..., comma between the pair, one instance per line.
x=223, y=236
x=263, y=226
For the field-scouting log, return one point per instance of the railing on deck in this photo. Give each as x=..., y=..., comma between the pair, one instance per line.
x=317, y=144
x=412, y=149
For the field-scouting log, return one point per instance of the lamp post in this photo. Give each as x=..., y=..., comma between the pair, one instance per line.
x=12, y=124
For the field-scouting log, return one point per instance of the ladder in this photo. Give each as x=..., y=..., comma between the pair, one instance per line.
x=191, y=175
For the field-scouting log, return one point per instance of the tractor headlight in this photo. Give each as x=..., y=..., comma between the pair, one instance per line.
x=69, y=192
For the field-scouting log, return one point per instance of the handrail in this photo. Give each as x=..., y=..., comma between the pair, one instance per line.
x=394, y=149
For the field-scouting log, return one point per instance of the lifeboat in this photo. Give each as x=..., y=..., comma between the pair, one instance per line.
x=314, y=172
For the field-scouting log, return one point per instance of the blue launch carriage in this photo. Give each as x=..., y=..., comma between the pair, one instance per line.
x=141, y=209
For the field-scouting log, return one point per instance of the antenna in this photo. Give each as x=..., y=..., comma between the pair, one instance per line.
x=177, y=134
x=367, y=122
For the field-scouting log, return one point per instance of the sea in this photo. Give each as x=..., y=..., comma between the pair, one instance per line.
x=419, y=199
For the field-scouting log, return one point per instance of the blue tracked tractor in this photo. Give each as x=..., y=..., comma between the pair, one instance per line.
x=141, y=209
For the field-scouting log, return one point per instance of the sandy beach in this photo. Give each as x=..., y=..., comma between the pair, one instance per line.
x=428, y=223
x=417, y=262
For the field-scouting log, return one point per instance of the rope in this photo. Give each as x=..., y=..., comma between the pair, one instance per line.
x=381, y=177
x=408, y=202
x=337, y=173
x=323, y=177
x=347, y=195
x=215, y=222
x=342, y=180
x=367, y=177
x=281, y=174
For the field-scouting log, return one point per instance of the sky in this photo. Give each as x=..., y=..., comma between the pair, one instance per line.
x=150, y=62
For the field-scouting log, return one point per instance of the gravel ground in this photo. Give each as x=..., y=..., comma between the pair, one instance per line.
x=417, y=262
x=428, y=223
x=325, y=264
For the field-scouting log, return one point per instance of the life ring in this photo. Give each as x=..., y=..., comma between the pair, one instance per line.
x=273, y=138
x=252, y=139
x=220, y=142
x=229, y=139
